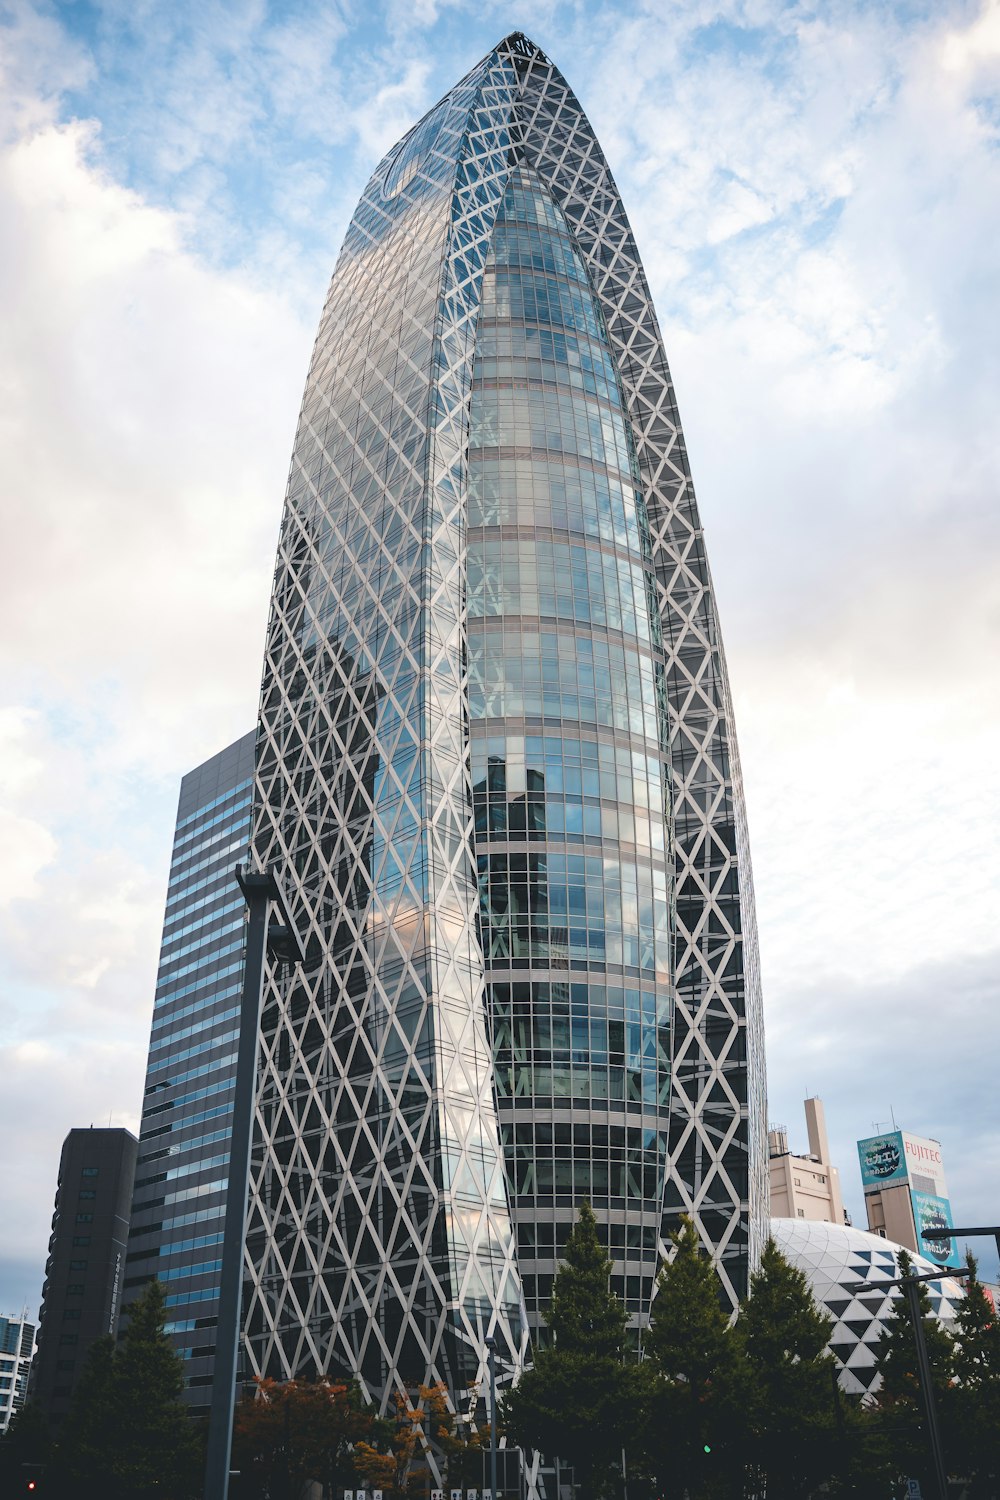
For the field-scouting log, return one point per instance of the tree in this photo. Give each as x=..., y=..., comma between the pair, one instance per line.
x=81, y=1458
x=898, y=1405
x=790, y=1436
x=428, y=1433
x=286, y=1434
x=25, y=1449
x=128, y=1435
x=580, y=1400
x=973, y=1401
x=699, y=1377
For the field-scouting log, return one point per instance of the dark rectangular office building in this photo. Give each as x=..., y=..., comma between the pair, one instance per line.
x=85, y=1270
x=179, y=1203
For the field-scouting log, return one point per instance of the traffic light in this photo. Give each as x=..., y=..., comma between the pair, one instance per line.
x=706, y=1447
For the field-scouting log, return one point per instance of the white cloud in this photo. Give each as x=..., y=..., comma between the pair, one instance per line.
x=816, y=199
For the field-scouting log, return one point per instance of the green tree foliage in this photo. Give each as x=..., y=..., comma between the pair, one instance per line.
x=790, y=1435
x=286, y=1435
x=581, y=1400
x=898, y=1410
x=974, y=1399
x=698, y=1378
x=128, y=1435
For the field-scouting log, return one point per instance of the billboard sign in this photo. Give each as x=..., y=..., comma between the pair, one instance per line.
x=924, y=1167
x=883, y=1161
x=935, y=1213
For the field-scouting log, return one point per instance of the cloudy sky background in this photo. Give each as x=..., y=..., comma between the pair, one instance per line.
x=815, y=189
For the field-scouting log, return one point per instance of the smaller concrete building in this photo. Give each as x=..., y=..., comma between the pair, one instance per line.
x=805, y=1187
x=905, y=1192
x=85, y=1271
x=17, y=1339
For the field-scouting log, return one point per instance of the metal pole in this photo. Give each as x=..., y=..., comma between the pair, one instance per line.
x=491, y=1354
x=911, y=1287
x=257, y=889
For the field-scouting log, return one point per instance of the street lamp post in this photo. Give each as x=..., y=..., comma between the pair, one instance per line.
x=491, y=1354
x=261, y=890
x=911, y=1287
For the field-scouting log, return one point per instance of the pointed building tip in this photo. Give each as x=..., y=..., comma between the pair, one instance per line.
x=521, y=46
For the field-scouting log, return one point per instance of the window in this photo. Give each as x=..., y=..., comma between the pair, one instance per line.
x=89, y=1172
x=802, y=1213
x=65, y=1364
x=72, y=1314
x=80, y=1240
x=76, y=1290
x=85, y=1218
x=87, y=1193
x=69, y=1338
x=78, y=1265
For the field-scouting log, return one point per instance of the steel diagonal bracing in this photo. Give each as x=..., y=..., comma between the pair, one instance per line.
x=380, y=1239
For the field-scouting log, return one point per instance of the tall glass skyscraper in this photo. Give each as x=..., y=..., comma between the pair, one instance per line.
x=497, y=772
x=182, y=1176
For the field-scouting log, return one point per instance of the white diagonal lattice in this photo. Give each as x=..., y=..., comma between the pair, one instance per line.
x=379, y=1239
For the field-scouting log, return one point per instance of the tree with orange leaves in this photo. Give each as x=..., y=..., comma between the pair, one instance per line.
x=422, y=1432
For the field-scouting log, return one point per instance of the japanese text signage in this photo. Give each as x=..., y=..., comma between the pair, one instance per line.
x=883, y=1161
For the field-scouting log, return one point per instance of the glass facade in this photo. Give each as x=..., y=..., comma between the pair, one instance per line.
x=497, y=774
x=570, y=761
x=17, y=1340
x=179, y=1198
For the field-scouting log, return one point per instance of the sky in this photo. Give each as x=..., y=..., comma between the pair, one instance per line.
x=815, y=191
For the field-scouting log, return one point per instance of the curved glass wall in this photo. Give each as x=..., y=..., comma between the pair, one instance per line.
x=568, y=731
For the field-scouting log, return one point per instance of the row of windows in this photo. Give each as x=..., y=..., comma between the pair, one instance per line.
x=210, y=856
x=199, y=815
x=215, y=1066
x=536, y=1237
x=228, y=906
x=202, y=1190
x=182, y=1299
x=182, y=1056
x=213, y=998
x=527, y=247
x=194, y=1144
x=197, y=963
x=567, y=582
x=186, y=1170
x=208, y=935
x=574, y=764
x=537, y=908
x=552, y=421
x=583, y=999
x=514, y=674
x=176, y=1036
x=537, y=297
x=526, y=202
x=549, y=1037
x=165, y=996
x=534, y=816
x=634, y=1144
x=541, y=1176
x=222, y=1086
x=558, y=1086
x=516, y=351
x=186, y=1122
x=218, y=880
x=553, y=491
